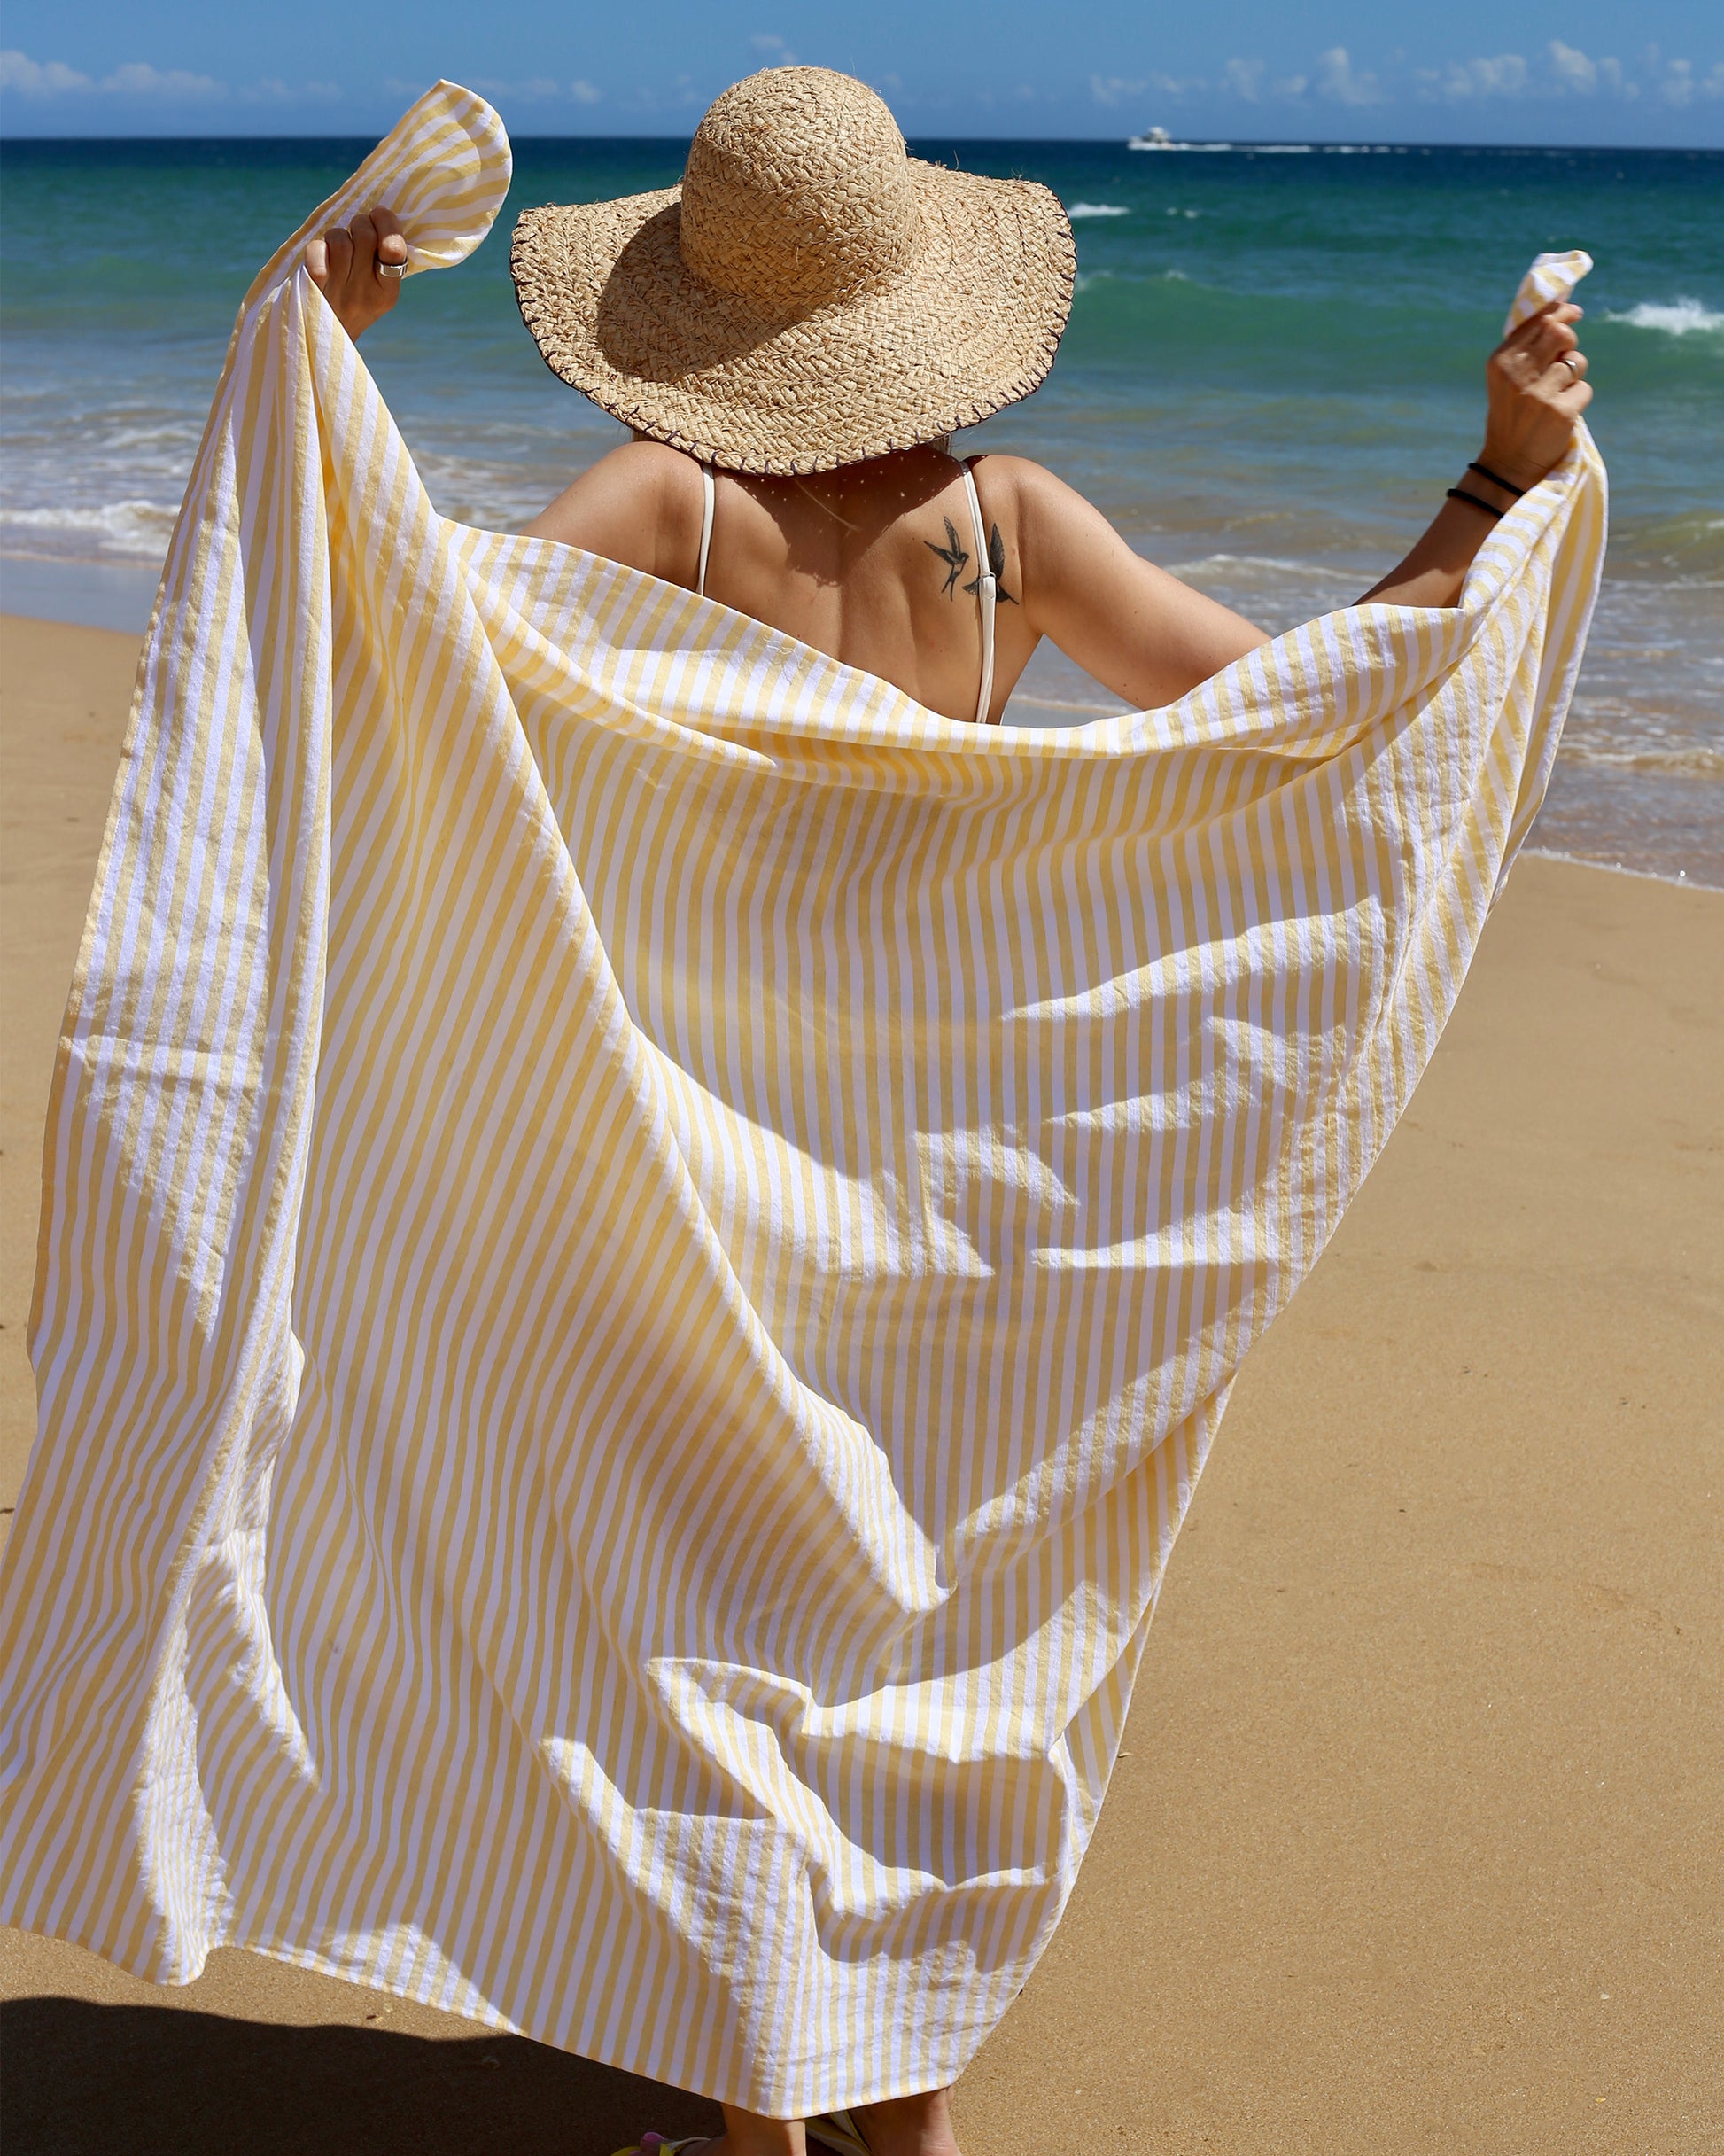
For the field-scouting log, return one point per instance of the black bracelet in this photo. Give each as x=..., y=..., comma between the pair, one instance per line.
x=1485, y=472
x=1460, y=493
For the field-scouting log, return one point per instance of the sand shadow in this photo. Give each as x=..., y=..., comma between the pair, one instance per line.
x=83, y=2080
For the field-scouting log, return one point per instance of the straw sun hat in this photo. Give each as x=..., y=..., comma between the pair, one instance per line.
x=811, y=295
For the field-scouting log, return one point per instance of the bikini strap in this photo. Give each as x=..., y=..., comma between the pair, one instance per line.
x=986, y=582
x=986, y=586
x=707, y=493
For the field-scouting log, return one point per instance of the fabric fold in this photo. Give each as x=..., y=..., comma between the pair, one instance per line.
x=643, y=1240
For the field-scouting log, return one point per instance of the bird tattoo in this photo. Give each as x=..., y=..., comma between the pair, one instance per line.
x=996, y=567
x=954, y=555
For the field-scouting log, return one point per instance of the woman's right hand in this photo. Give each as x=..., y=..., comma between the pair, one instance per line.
x=1536, y=386
x=342, y=264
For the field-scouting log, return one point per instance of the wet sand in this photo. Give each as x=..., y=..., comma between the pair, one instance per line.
x=1414, y=1843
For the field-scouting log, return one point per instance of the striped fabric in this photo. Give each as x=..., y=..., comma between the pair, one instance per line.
x=642, y=1240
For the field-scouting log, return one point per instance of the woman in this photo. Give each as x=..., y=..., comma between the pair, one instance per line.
x=792, y=354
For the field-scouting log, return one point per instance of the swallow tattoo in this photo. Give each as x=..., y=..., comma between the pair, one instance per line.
x=996, y=567
x=956, y=557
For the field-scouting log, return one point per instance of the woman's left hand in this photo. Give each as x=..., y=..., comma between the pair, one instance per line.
x=343, y=264
x=1537, y=389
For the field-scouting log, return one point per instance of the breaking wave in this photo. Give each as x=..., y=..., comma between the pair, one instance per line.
x=1675, y=318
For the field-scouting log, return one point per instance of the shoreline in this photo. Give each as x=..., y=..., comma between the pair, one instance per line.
x=1681, y=881
x=1407, y=1845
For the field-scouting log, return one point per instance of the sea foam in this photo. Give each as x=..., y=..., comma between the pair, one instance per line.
x=130, y=530
x=1096, y=209
x=1677, y=318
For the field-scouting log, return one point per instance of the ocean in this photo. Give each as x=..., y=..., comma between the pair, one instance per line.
x=1273, y=370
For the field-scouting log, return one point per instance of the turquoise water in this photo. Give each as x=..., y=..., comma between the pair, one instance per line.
x=1273, y=370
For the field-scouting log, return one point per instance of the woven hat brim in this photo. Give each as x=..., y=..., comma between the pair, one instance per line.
x=971, y=326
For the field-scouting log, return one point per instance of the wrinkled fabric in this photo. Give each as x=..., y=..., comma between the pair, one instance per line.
x=643, y=1240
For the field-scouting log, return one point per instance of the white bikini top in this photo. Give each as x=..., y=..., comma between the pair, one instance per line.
x=986, y=583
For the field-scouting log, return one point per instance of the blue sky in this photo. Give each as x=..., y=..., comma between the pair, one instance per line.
x=1581, y=72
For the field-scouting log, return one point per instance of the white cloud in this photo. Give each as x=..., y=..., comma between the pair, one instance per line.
x=681, y=96
x=1244, y=78
x=772, y=49
x=1676, y=85
x=1676, y=82
x=1573, y=70
x=1505, y=76
x=39, y=77
x=1570, y=72
x=1115, y=88
x=134, y=79
x=1559, y=71
x=1565, y=71
x=1576, y=73
x=137, y=79
x=528, y=89
x=1338, y=80
x=271, y=90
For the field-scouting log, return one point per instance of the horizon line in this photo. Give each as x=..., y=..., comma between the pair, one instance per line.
x=9, y=138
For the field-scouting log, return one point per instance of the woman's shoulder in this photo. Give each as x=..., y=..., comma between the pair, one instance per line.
x=646, y=462
x=639, y=471
x=1032, y=502
x=640, y=504
x=1021, y=478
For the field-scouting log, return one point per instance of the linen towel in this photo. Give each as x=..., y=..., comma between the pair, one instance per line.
x=642, y=1240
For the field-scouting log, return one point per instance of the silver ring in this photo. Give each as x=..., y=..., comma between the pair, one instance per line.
x=1567, y=359
x=392, y=270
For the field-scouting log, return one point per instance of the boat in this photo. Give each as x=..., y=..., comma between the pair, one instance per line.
x=1157, y=138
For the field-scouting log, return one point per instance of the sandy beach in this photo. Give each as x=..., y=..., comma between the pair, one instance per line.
x=1413, y=1845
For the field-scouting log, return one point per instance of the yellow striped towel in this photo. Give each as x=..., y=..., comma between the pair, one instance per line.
x=642, y=1240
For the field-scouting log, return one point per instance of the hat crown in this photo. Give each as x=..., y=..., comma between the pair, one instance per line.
x=797, y=191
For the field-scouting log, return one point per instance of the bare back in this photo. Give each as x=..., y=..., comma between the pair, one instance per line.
x=881, y=565
x=877, y=564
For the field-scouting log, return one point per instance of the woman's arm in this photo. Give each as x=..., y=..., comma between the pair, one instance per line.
x=1535, y=390
x=1151, y=639
x=1129, y=625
